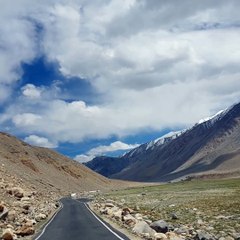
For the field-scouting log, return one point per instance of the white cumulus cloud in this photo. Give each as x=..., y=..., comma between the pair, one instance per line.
x=31, y=91
x=40, y=141
x=101, y=150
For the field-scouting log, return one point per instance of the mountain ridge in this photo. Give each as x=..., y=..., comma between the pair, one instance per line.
x=191, y=151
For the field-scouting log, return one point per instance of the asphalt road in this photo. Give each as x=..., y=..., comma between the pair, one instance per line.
x=76, y=221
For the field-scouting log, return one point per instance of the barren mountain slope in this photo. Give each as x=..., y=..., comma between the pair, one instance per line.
x=47, y=169
x=211, y=146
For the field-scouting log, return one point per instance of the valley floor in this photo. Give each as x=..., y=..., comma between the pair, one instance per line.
x=210, y=206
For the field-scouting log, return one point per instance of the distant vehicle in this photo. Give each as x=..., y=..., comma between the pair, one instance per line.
x=73, y=195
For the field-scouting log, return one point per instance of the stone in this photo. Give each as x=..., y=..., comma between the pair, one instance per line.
x=40, y=217
x=173, y=236
x=138, y=216
x=17, y=192
x=8, y=234
x=1, y=208
x=129, y=220
x=12, y=215
x=117, y=215
x=142, y=227
x=127, y=211
x=110, y=205
x=202, y=235
x=4, y=214
x=160, y=236
x=174, y=216
x=159, y=226
x=25, y=231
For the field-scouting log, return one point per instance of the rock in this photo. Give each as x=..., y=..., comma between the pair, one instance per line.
x=40, y=217
x=25, y=231
x=173, y=236
x=103, y=211
x=138, y=216
x=4, y=214
x=12, y=215
x=129, y=220
x=127, y=211
x=30, y=223
x=202, y=235
x=117, y=215
x=174, y=216
x=160, y=236
x=8, y=234
x=110, y=205
x=143, y=228
x=25, y=199
x=159, y=226
x=1, y=208
x=17, y=192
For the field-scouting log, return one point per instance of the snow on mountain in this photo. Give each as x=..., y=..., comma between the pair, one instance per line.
x=165, y=138
x=208, y=122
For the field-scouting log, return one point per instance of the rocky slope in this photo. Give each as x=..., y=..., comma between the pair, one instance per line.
x=32, y=179
x=210, y=147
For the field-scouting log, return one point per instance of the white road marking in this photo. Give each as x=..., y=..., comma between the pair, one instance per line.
x=50, y=221
x=103, y=223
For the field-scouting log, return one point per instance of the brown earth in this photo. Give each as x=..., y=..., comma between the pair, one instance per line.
x=33, y=179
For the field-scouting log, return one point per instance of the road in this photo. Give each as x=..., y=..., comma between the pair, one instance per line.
x=76, y=221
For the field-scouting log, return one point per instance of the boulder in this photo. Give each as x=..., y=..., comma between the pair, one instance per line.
x=127, y=211
x=202, y=235
x=8, y=234
x=12, y=215
x=25, y=231
x=143, y=228
x=1, y=208
x=129, y=220
x=173, y=236
x=117, y=215
x=138, y=216
x=40, y=217
x=159, y=226
x=160, y=236
x=4, y=214
x=16, y=192
x=109, y=205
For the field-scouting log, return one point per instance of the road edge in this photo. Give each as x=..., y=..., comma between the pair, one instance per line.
x=115, y=225
x=44, y=227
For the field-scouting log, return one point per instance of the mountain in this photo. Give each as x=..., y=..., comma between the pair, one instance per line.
x=210, y=147
x=46, y=169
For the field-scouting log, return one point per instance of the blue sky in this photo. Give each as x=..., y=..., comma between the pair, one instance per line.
x=100, y=77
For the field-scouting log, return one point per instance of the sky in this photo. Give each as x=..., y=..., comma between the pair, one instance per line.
x=90, y=78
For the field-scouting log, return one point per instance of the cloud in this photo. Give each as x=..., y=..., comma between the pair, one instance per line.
x=82, y=158
x=31, y=91
x=39, y=141
x=153, y=66
x=115, y=146
x=101, y=150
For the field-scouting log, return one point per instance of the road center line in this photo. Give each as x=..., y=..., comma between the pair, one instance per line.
x=103, y=222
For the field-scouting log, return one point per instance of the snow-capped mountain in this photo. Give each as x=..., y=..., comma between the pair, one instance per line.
x=200, y=148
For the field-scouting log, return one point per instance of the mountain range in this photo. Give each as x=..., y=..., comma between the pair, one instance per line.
x=209, y=148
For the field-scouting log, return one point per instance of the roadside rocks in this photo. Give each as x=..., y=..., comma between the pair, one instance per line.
x=160, y=226
x=142, y=228
x=8, y=234
x=22, y=208
x=138, y=223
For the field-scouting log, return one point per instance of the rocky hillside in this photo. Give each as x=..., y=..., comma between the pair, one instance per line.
x=23, y=207
x=47, y=169
x=210, y=147
x=32, y=180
